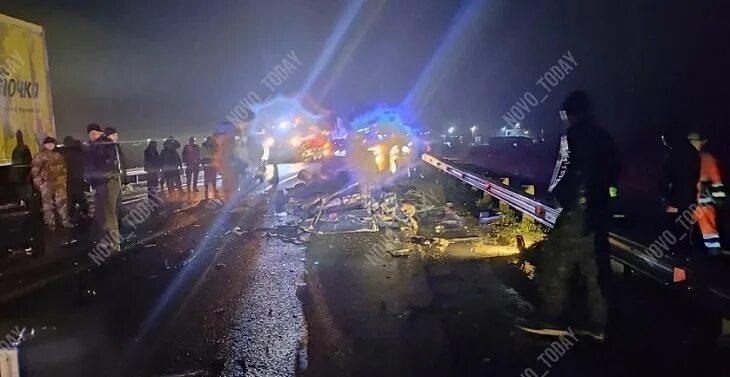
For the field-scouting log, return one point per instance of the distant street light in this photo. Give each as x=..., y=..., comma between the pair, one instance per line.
x=452, y=129
x=473, y=130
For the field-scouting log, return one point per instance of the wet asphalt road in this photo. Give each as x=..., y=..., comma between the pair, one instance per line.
x=199, y=301
x=167, y=305
x=453, y=314
x=454, y=317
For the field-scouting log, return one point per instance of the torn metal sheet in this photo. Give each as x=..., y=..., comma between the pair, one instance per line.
x=353, y=221
x=347, y=202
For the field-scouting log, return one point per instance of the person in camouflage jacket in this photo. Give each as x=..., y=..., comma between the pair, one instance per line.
x=49, y=176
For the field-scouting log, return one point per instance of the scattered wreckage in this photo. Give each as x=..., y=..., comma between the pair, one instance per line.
x=417, y=218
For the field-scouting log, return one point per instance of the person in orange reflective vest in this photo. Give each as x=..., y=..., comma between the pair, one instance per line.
x=711, y=193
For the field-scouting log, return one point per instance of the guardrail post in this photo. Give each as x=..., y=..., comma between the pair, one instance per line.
x=503, y=206
x=530, y=190
x=488, y=201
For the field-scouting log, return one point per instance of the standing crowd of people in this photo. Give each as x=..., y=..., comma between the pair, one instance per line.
x=165, y=167
x=219, y=154
x=58, y=178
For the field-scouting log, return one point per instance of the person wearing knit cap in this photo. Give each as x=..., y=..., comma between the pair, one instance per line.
x=94, y=131
x=586, y=167
x=112, y=133
x=48, y=170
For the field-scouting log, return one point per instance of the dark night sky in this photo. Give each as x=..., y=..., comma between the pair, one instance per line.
x=153, y=68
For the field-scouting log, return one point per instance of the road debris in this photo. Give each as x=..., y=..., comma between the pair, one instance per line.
x=486, y=218
x=400, y=253
x=190, y=259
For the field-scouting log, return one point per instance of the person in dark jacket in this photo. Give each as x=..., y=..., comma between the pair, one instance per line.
x=210, y=170
x=680, y=172
x=152, y=165
x=172, y=142
x=171, y=165
x=191, y=158
x=678, y=183
x=586, y=168
x=73, y=154
x=19, y=175
x=104, y=175
x=175, y=145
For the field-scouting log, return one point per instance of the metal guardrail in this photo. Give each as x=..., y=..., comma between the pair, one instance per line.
x=541, y=212
x=628, y=253
x=634, y=254
x=137, y=172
